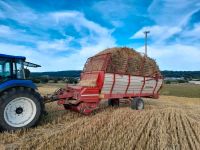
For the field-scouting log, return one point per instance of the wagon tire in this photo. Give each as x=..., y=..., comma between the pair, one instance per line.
x=20, y=108
x=137, y=103
x=113, y=102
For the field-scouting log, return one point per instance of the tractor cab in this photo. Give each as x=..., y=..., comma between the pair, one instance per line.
x=13, y=67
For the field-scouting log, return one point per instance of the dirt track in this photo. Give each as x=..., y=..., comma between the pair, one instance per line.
x=167, y=123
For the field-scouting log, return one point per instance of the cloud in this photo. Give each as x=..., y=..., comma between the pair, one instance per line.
x=18, y=35
x=172, y=12
x=114, y=11
x=17, y=12
x=98, y=36
x=5, y=30
x=58, y=45
x=192, y=33
x=78, y=20
x=175, y=56
x=171, y=18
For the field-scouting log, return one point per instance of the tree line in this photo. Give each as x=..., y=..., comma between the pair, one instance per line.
x=73, y=76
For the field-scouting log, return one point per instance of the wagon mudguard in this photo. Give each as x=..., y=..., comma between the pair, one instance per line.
x=16, y=83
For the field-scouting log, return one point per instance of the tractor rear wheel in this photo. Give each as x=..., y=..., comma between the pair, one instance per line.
x=20, y=108
x=113, y=102
x=137, y=103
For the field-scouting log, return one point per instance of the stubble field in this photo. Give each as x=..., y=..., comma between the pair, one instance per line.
x=167, y=123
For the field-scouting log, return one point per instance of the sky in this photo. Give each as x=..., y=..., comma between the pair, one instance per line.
x=62, y=34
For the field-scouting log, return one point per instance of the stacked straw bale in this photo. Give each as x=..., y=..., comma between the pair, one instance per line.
x=124, y=61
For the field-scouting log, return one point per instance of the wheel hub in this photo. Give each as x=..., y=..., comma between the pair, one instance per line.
x=140, y=105
x=19, y=110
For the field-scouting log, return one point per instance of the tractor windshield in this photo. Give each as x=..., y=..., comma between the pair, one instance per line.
x=10, y=69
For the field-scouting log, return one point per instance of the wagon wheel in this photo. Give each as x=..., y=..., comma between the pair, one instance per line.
x=113, y=102
x=137, y=103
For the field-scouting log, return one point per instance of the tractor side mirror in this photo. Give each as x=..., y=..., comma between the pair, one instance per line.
x=27, y=73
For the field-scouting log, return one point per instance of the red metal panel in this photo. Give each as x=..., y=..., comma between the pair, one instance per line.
x=129, y=80
x=100, y=80
x=157, y=94
x=112, y=84
x=155, y=86
x=90, y=94
x=142, y=87
x=108, y=96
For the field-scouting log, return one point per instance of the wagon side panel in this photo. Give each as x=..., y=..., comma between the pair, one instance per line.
x=150, y=84
x=121, y=83
x=108, y=83
x=119, y=86
x=159, y=84
x=136, y=84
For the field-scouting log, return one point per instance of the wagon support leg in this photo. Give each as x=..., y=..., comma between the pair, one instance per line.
x=113, y=102
x=83, y=107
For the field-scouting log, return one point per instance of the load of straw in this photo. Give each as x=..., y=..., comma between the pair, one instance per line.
x=126, y=61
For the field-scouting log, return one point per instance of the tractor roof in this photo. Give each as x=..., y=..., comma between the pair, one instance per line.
x=12, y=57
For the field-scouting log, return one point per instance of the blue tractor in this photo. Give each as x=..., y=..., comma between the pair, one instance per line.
x=21, y=106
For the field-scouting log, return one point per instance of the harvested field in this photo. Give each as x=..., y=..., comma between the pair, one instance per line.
x=167, y=123
x=181, y=90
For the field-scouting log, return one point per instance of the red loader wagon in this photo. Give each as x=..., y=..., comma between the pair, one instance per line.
x=96, y=83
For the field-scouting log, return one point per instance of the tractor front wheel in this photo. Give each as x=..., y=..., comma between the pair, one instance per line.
x=20, y=108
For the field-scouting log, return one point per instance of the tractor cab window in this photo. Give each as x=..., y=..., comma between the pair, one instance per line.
x=5, y=70
x=10, y=69
x=18, y=70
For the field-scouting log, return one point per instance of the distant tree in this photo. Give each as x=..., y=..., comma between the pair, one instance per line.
x=55, y=80
x=35, y=80
x=182, y=81
x=44, y=80
x=72, y=80
x=168, y=82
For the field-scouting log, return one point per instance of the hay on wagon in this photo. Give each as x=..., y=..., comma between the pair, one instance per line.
x=124, y=60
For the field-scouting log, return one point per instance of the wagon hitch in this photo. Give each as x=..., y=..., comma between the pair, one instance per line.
x=53, y=97
x=50, y=98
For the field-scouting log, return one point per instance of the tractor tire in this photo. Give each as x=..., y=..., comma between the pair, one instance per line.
x=20, y=108
x=113, y=102
x=137, y=103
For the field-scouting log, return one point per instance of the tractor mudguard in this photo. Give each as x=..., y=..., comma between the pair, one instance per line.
x=16, y=83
